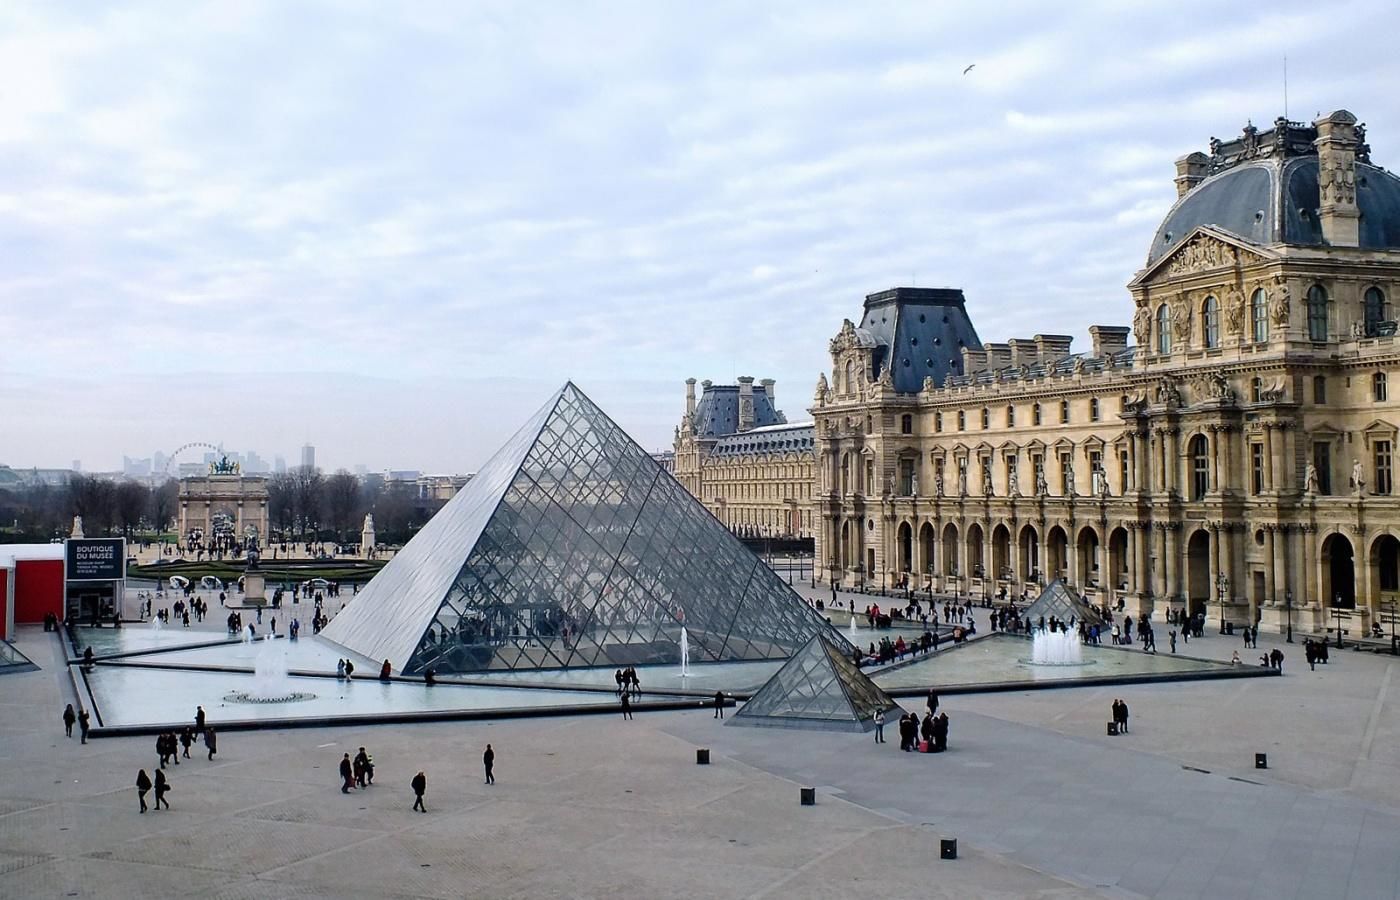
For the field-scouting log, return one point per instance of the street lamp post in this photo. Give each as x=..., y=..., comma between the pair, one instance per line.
x=1337, y=611
x=1288, y=603
x=1222, y=587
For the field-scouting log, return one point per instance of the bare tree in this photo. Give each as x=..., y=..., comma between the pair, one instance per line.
x=306, y=492
x=130, y=500
x=342, y=494
x=282, y=503
x=94, y=499
x=163, y=500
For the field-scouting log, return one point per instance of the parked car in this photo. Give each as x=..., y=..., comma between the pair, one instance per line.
x=179, y=582
x=210, y=583
x=312, y=585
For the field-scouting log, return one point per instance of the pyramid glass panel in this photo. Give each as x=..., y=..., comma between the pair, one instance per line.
x=1058, y=601
x=573, y=547
x=820, y=687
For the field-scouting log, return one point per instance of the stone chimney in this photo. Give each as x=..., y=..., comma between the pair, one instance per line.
x=1109, y=339
x=1023, y=352
x=998, y=355
x=973, y=361
x=768, y=388
x=690, y=398
x=745, y=402
x=1190, y=171
x=1052, y=347
x=1336, y=178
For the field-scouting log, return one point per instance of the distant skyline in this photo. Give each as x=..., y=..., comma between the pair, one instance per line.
x=393, y=232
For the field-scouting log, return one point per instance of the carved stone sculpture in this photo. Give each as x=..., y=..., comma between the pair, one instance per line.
x=987, y=490
x=1234, y=312
x=1013, y=484
x=1310, y=485
x=1279, y=306
x=1358, y=477
x=938, y=485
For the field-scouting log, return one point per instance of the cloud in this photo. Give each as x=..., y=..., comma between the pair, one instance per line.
x=393, y=233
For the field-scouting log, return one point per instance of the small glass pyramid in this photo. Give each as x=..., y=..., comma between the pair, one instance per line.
x=572, y=547
x=820, y=687
x=1064, y=604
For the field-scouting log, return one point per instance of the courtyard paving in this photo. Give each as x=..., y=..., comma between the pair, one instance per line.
x=1043, y=803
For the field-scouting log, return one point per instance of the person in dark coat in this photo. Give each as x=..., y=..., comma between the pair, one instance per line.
x=69, y=718
x=211, y=741
x=160, y=748
x=488, y=759
x=162, y=788
x=926, y=729
x=186, y=739
x=940, y=733
x=84, y=724
x=626, y=705
x=143, y=786
x=419, y=785
x=719, y=705
x=199, y=719
x=385, y=671
x=932, y=701
x=347, y=774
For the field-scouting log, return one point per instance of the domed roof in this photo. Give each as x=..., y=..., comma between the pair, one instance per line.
x=1262, y=187
x=1275, y=202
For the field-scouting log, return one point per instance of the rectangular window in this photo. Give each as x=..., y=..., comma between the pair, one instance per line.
x=1383, y=479
x=938, y=421
x=1322, y=460
x=1064, y=412
x=1256, y=468
x=1037, y=471
x=986, y=418
x=906, y=424
x=906, y=478
x=962, y=421
x=1379, y=389
x=1123, y=470
x=1097, y=476
x=1320, y=389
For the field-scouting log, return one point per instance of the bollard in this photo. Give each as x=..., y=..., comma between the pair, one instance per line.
x=1261, y=760
x=809, y=796
x=948, y=848
x=702, y=756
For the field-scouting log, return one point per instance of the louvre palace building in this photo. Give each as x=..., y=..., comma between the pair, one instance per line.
x=737, y=454
x=1231, y=453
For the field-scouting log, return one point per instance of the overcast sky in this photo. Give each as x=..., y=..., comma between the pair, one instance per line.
x=392, y=230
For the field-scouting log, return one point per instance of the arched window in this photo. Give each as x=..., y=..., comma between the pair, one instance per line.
x=1011, y=417
x=1200, y=467
x=1164, y=329
x=1317, y=313
x=1094, y=409
x=906, y=424
x=1259, y=316
x=850, y=376
x=938, y=421
x=1035, y=414
x=1064, y=412
x=1375, y=311
x=986, y=418
x=962, y=420
x=1379, y=389
x=1210, y=322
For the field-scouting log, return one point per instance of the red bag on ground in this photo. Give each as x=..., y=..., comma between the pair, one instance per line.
x=923, y=746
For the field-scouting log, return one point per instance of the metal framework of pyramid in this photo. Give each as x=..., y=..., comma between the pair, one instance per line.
x=820, y=687
x=572, y=547
x=1064, y=604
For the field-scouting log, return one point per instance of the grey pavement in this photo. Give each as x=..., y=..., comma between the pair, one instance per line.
x=1043, y=803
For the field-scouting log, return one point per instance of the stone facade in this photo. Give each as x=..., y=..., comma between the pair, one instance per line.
x=1238, y=461
x=228, y=503
x=737, y=454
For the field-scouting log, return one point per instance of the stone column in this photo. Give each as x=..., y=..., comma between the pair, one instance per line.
x=1173, y=562
x=1270, y=596
x=1213, y=553
x=1269, y=461
x=1312, y=567
x=1213, y=484
x=1107, y=579
x=1159, y=574
x=1227, y=557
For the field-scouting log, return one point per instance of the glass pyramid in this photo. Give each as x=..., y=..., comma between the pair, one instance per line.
x=820, y=687
x=572, y=547
x=1064, y=604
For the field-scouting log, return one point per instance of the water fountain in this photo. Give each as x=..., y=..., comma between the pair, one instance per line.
x=156, y=629
x=685, y=653
x=270, y=681
x=1056, y=648
x=853, y=620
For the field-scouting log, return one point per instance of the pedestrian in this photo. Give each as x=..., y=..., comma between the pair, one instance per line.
x=358, y=766
x=211, y=741
x=626, y=705
x=719, y=705
x=347, y=774
x=160, y=748
x=84, y=724
x=199, y=719
x=1172, y=635
x=420, y=785
x=143, y=786
x=1123, y=716
x=162, y=788
x=186, y=739
x=340, y=669
x=488, y=759
x=349, y=670
x=932, y=701
x=879, y=726
x=69, y=718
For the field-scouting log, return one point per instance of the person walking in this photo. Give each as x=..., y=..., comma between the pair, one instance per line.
x=84, y=724
x=186, y=739
x=143, y=787
x=1123, y=716
x=160, y=748
x=626, y=705
x=347, y=774
x=488, y=760
x=162, y=788
x=719, y=705
x=199, y=719
x=420, y=786
x=932, y=701
x=879, y=726
x=211, y=741
x=69, y=718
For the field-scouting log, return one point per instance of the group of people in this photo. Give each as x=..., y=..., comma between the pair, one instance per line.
x=80, y=718
x=358, y=774
x=627, y=681
x=1315, y=652
x=168, y=745
x=1120, y=716
x=345, y=669
x=927, y=736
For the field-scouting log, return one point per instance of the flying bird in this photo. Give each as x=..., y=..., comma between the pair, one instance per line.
x=969, y=68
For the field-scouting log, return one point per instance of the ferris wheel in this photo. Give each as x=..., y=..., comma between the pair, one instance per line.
x=170, y=461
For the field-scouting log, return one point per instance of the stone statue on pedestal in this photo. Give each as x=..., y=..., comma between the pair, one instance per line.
x=77, y=527
x=1310, y=483
x=1358, y=477
x=367, y=539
